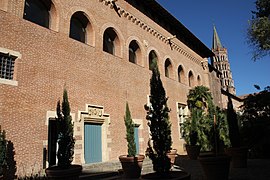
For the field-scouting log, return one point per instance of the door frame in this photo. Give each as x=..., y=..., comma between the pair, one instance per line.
x=95, y=114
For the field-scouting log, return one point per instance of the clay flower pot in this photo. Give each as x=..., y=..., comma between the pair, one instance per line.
x=132, y=166
x=172, y=154
x=71, y=173
x=215, y=167
x=238, y=155
x=193, y=151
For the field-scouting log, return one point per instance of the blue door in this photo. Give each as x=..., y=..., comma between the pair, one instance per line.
x=92, y=143
x=136, y=134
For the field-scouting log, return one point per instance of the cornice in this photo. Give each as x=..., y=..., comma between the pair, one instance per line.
x=131, y=17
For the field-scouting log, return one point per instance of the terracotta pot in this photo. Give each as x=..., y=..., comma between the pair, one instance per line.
x=173, y=175
x=238, y=155
x=215, y=167
x=57, y=173
x=172, y=154
x=132, y=166
x=193, y=151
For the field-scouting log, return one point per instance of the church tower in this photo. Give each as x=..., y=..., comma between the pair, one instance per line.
x=221, y=62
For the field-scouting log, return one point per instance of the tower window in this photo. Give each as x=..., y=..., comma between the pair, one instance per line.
x=152, y=58
x=190, y=79
x=168, y=67
x=180, y=74
x=199, y=80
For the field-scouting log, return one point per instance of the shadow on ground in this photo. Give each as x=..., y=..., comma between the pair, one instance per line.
x=257, y=169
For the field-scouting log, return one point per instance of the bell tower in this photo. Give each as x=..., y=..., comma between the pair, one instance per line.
x=221, y=62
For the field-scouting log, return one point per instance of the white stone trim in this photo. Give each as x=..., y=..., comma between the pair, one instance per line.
x=10, y=52
x=8, y=82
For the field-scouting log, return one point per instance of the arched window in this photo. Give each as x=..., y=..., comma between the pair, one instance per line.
x=78, y=26
x=38, y=12
x=199, y=80
x=109, y=41
x=168, y=67
x=133, y=52
x=180, y=74
x=152, y=57
x=190, y=79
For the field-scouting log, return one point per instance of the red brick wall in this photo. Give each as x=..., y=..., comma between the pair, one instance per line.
x=50, y=60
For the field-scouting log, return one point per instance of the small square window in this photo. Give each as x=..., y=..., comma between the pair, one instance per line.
x=7, y=63
x=7, y=66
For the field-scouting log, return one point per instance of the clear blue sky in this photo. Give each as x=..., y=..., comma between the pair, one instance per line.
x=231, y=20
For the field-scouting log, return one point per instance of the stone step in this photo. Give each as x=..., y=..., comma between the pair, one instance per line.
x=110, y=170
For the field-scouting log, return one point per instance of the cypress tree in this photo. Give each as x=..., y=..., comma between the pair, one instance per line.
x=160, y=127
x=130, y=132
x=66, y=140
x=3, y=151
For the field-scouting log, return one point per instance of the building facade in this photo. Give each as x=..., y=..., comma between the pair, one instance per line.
x=100, y=51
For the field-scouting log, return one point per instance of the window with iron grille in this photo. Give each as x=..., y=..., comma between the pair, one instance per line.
x=7, y=66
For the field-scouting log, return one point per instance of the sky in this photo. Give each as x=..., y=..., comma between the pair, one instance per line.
x=230, y=18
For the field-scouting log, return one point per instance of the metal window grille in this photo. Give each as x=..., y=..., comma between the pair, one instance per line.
x=6, y=66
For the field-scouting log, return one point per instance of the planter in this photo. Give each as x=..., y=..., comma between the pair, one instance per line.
x=172, y=154
x=173, y=175
x=215, y=167
x=132, y=166
x=57, y=173
x=238, y=155
x=193, y=151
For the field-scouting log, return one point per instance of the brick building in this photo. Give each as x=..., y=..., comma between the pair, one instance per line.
x=100, y=50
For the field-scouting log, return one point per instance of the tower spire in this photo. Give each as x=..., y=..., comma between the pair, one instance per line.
x=216, y=41
x=221, y=62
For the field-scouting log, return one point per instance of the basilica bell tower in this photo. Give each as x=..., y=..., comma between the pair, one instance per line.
x=221, y=62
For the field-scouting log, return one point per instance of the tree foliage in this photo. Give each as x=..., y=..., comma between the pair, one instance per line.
x=160, y=126
x=255, y=119
x=195, y=128
x=3, y=150
x=203, y=111
x=234, y=132
x=66, y=140
x=259, y=29
x=130, y=132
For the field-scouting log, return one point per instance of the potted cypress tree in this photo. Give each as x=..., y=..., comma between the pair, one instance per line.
x=64, y=169
x=160, y=127
x=131, y=163
x=237, y=151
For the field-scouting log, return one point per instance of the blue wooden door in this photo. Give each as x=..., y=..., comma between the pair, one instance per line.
x=92, y=143
x=136, y=134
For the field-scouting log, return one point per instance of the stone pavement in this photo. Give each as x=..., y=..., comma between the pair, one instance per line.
x=258, y=169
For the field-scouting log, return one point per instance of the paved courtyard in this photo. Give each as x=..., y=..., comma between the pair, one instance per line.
x=258, y=169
